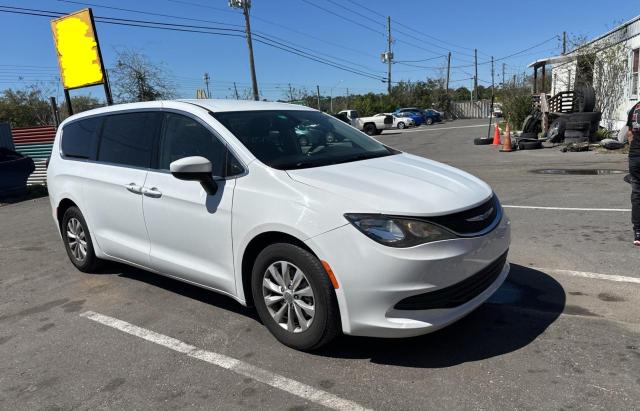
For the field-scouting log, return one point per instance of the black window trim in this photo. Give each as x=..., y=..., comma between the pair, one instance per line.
x=156, y=158
x=156, y=140
x=93, y=156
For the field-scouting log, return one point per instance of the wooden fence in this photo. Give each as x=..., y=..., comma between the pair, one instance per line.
x=468, y=109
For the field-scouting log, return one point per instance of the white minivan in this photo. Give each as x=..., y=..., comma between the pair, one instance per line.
x=320, y=227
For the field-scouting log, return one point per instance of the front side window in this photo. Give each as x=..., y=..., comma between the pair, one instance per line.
x=292, y=139
x=127, y=139
x=80, y=138
x=185, y=137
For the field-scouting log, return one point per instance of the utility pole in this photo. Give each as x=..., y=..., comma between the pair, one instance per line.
x=503, y=80
x=318, y=91
x=448, y=73
x=564, y=42
x=348, y=96
x=206, y=82
x=492, y=76
x=235, y=89
x=475, y=77
x=290, y=93
x=245, y=5
x=389, y=56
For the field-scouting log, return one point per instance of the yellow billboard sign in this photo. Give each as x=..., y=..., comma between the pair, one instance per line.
x=78, y=52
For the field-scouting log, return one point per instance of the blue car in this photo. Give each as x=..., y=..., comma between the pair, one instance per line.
x=416, y=114
x=432, y=116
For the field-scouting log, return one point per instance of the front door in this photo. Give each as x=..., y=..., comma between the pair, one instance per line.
x=189, y=230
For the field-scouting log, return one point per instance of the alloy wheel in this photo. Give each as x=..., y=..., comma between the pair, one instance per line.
x=288, y=296
x=76, y=238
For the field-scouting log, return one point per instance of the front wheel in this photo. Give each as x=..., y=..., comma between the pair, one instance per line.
x=294, y=297
x=401, y=125
x=429, y=121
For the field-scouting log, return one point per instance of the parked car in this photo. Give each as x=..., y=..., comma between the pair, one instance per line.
x=416, y=114
x=432, y=116
x=497, y=110
x=15, y=169
x=370, y=125
x=399, y=122
x=352, y=236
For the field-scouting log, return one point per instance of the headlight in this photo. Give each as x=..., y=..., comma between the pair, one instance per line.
x=397, y=231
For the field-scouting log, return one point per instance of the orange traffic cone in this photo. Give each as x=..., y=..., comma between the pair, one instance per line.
x=506, y=148
x=496, y=136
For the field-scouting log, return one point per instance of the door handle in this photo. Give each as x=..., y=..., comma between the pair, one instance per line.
x=134, y=188
x=151, y=192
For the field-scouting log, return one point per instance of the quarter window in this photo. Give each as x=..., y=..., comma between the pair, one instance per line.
x=186, y=137
x=127, y=139
x=80, y=138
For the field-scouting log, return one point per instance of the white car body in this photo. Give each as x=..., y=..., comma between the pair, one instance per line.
x=398, y=122
x=202, y=239
x=361, y=123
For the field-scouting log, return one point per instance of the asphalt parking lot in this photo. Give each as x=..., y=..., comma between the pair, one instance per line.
x=562, y=333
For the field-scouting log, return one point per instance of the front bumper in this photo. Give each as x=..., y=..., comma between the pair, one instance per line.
x=374, y=278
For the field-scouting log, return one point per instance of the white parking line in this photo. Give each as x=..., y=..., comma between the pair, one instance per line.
x=239, y=367
x=623, y=210
x=431, y=128
x=597, y=276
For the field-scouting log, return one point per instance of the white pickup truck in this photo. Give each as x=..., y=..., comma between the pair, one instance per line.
x=370, y=125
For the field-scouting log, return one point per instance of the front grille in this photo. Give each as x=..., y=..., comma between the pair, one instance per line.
x=473, y=221
x=456, y=294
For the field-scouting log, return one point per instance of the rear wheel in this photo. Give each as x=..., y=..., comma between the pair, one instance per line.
x=429, y=121
x=369, y=129
x=294, y=297
x=77, y=241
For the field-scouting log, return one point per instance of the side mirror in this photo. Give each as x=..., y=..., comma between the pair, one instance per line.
x=195, y=168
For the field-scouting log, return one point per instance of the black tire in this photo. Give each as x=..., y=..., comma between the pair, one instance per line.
x=529, y=145
x=556, y=130
x=482, y=141
x=429, y=121
x=584, y=99
x=573, y=140
x=326, y=320
x=89, y=262
x=576, y=134
x=401, y=125
x=590, y=117
x=369, y=129
x=528, y=136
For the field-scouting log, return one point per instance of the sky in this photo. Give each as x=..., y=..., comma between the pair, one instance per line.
x=346, y=33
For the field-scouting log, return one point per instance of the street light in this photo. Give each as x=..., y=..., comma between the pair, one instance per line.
x=331, y=96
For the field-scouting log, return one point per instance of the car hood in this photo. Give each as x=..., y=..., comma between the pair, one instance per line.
x=401, y=184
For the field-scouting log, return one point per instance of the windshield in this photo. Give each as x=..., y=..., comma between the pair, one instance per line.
x=291, y=139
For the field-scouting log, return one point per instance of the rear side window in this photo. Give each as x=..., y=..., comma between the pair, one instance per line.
x=127, y=139
x=80, y=138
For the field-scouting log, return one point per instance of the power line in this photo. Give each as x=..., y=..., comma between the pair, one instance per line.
x=194, y=29
x=281, y=40
x=412, y=29
x=513, y=54
x=343, y=17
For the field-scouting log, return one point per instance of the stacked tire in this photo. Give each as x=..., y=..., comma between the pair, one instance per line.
x=581, y=125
